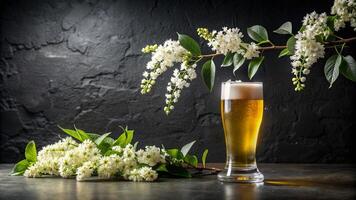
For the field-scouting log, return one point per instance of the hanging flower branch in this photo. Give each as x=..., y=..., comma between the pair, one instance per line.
x=317, y=33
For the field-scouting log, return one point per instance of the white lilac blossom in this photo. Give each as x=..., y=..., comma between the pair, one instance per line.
x=179, y=80
x=148, y=174
x=67, y=158
x=344, y=11
x=151, y=156
x=48, y=158
x=251, y=51
x=86, y=170
x=74, y=158
x=227, y=40
x=163, y=57
x=307, y=49
x=143, y=174
x=110, y=166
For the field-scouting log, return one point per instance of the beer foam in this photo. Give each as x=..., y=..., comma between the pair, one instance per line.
x=241, y=90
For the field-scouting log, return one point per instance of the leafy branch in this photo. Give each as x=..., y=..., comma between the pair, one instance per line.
x=179, y=162
x=259, y=34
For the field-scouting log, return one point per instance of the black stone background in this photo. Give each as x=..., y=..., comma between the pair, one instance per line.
x=79, y=62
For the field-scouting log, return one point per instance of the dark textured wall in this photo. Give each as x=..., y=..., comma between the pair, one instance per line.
x=79, y=62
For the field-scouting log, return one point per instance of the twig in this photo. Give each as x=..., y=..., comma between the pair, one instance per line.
x=332, y=43
x=352, y=39
x=208, y=168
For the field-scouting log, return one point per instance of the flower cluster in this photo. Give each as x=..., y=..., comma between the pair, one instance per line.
x=49, y=158
x=307, y=48
x=251, y=51
x=227, y=40
x=179, y=80
x=67, y=158
x=149, y=48
x=163, y=57
x=345, y=11
x=74, y=158
x=205, y=34
x=151, y=156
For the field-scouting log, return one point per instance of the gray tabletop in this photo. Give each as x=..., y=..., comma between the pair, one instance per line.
x=283, y=181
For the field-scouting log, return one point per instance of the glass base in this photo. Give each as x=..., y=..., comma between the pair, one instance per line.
x=241, y=176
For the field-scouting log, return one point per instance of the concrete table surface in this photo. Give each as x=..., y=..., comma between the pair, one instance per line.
x=282, y=181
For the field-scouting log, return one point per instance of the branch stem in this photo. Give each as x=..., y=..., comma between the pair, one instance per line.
x=272, y=47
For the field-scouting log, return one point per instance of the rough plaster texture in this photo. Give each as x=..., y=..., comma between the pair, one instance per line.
x=79, y=62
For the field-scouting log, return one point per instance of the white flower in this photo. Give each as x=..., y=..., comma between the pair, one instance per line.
x=118, y=149
x=179, y=80
x=345, y=11
x=86, y=170
x=307, y=49
x=227, y=40
x=135, y=175
x=142, y=174
x=56, y=150
x=151, y=156
x=48, y=158
x=251, y=51
x=148, y=174
x=68, y=158
x=74, y=158
x=163, y=58
x=109, y=166
x=33, y=171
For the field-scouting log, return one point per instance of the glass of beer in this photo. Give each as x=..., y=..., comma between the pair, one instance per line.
x=241, y=113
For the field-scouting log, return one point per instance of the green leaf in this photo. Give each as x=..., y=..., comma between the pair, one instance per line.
x=189, y=44
x=348, y=68
x=332, y=67
x=238, y=61
x=31, y=152
x=254, y=65
x=227, y=60
x=284, y=29
x=185, y=149
x=93, y=136
x=161, y=168
x=191, y=160
x=100, y=139
x=105, y=146
x=20, y=168
x=330, y=21
x=208, y=74
x=109, y=152
x=178, y=171
x=203, y=157
x=175, y=153
x=290, y=45
x=72, y=133
x=82, y=134
x=320, y=38
x=121, y=140
x=284, y=52
x=257, y=33
x=129, y=136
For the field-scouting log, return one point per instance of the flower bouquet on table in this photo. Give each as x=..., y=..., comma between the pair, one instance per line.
x=91, y=155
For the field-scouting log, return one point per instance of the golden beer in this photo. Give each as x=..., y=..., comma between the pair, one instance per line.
x=241, y=113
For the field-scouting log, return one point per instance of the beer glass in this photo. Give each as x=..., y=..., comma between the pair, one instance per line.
x=241, y=113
